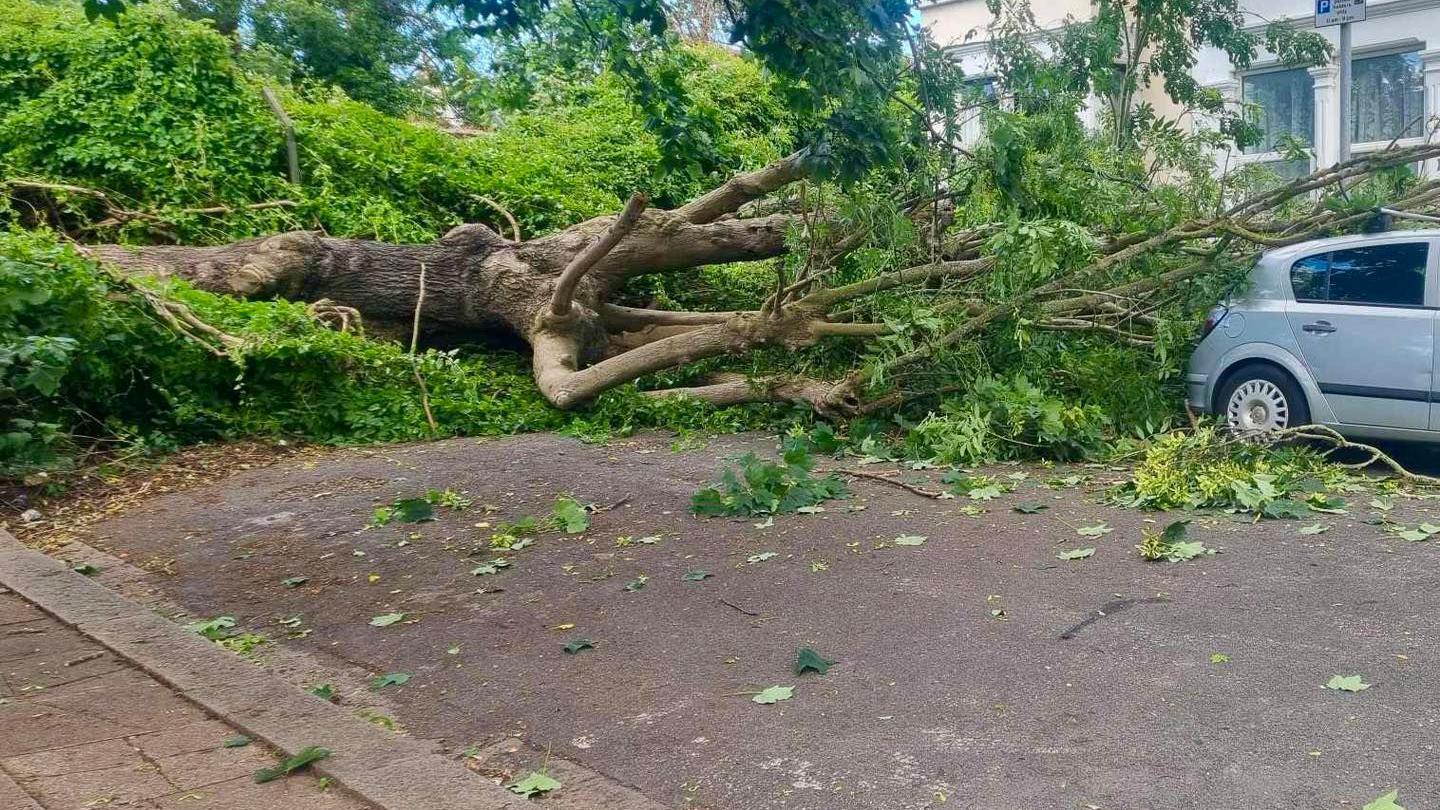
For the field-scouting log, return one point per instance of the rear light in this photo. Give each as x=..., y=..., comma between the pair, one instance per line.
x=1212, y=320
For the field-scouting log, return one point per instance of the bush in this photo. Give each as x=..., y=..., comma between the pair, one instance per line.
x=155, y=111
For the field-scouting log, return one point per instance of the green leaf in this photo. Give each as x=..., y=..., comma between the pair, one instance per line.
x=761, y=557
x=303, y=758
x=85, y=569
x=575, y=645
x=695, y=576
x=808, y=659
x=1030, y=507
x=386, y=619
x=294, y=582
x=324, y=691
x=1314, y=528
x=1219, y=658
x=390, y=679
x=536, y=784
x=910, y=540
x=1284, y=509
x=413, y=510
x=1347, y=683
x=989, y=492
x=636, y=583
x=1098, y=530
x=492, y=567
x=1390, y=801
x=1077, y=554
x=571, y=515
x=1383, y=504
x=213, y=629
x=773, y=694
x=238, y=741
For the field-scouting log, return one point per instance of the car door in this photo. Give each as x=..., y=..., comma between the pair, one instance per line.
x=1361, y=318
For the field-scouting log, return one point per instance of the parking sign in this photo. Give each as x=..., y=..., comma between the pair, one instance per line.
x=1335, y=12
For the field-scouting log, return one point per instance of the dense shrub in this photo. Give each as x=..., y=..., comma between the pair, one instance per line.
x=154, y=110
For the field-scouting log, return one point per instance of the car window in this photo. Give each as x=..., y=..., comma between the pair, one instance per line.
x=1376, y=274
x=1309, y=277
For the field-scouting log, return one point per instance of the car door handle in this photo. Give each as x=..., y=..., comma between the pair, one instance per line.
x=1318, y=328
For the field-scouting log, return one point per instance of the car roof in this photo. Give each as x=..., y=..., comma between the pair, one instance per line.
x=1352, y=240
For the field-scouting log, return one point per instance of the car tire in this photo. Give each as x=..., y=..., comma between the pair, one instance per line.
x=1261, y=398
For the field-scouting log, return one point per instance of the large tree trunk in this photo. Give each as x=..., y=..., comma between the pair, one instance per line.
x=555, y=291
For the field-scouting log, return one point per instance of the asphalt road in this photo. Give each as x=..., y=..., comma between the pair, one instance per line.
x=975, y=670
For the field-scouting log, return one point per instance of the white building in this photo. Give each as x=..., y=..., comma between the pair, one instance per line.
x=1396, y=73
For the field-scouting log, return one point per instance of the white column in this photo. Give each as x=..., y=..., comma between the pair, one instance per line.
x=1430, y=59
x=1327, y=115
x=1229, y=91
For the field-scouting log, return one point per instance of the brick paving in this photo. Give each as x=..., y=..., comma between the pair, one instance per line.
x=81, y=729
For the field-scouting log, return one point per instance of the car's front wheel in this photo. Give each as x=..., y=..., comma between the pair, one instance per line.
x=1262, y=399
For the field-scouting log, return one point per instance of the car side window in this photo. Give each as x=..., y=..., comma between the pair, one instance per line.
x=1311, y=278
x=1391, y=275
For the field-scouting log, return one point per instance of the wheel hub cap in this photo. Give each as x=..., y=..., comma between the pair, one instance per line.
x=1258, y=406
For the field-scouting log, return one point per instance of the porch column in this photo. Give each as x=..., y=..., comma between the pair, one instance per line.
x=1327, y=115
x=1430, y=60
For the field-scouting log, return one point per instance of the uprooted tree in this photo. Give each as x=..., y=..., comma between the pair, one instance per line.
x=557, y=292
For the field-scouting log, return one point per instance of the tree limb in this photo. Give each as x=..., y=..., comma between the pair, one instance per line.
x=743, y=188
x=594, y=252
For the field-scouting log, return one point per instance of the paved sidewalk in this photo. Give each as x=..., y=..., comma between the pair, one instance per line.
x=81, y=728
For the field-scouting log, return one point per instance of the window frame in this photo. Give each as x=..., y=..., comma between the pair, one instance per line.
x=1266, y=154
x=1380, y=52
x=1426, y=279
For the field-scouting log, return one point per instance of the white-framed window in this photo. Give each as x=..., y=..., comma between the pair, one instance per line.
x=1283, y=104
x=1387, y=97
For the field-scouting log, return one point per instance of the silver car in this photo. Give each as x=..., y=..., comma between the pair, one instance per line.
x=1339, y=332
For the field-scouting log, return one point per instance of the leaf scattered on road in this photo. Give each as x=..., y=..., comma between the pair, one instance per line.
x=302, y=759
x=636, y=583
x=910, y=540
x=238, y=741
x=571, y=515
x=695, y=576
x=576, y=645
x=1098, y=530
x=1219, y=658
x=1030, y=507
x=761, y=557
x=1347, y=683
x=808, y=659
x=1314, y=528
x=1390, y=801
x=386, y=619
x=536, y=784
x=294, y=582
x=1077, y=554
x=390, y=679
x=774, y=694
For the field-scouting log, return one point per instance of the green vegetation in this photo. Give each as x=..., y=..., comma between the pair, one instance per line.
x=1205, y=468
x=86, y=366
x=757, y=487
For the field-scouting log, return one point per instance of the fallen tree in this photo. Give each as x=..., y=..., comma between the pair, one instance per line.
x=558, y=292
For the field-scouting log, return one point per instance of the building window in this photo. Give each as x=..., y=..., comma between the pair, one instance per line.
x=1283, y=103
x=1387, y=96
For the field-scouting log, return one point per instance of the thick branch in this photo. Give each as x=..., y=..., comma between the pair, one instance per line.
x=741, y=189
x=594, y=252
